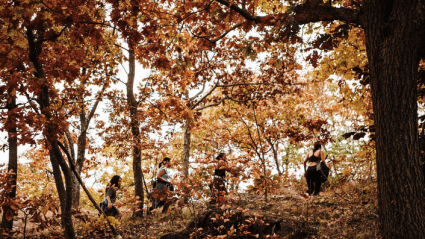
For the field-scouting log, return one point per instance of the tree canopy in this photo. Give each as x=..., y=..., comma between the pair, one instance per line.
x=258, y=80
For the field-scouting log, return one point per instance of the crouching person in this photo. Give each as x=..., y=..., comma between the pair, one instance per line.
x=163, y=186
x=107, y=205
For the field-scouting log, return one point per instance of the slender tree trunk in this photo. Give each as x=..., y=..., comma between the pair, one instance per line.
x=13, y=158
x=392, y=47
x=82, y=140
x=275, y=155
x=186, y=144
x=265, y=179
x=186, y=151
x=81, y=145
x=137, y=160
x=185, y=158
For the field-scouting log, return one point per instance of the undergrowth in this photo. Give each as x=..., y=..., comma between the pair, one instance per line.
x=344, y=210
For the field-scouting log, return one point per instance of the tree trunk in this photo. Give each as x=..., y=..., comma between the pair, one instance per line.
x=66, y=213
x=57, y=175
x=186, y=152
x=185, y=158
x=81, y=144
x=263, y=161
x=275, y=155
x=392, y=48
x=13, y=159
x=82, y=140
x=49, y=133
x=137, y=160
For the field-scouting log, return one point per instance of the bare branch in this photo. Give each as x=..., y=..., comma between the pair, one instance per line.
x=210, y=105
x=200, y=92
x=205, y=96
x=227, y=32
x=121, y=47
x=95, y=107
x=239, y=84
x=221, y=36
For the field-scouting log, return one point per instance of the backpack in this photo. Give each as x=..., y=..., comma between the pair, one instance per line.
x=324, y=170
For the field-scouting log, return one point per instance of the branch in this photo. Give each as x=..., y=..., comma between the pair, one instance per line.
x=239, y=84
x=219, y=102
x=144, y=96
x=205, y=96
x=94, y=107
x=190, y=14
x=244, y=13
x=249, y=133
x=121, y=47
x=210, y=105
x=200, y=92
x=303, y=14
x=71, y=144
x=33, y=106
x=227, y=32
x=53, y=37
x=221, y=36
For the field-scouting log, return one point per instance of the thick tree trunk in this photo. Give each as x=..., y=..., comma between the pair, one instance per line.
x=392, y=48
x=66, y=213
x=56, y=157
x=137, y=160
x=57, y=175
x=13, y=159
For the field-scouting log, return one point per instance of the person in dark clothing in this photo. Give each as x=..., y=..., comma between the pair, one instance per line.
x=163, y=184
x=312, y=175
x=107, y=205
x=218, y=187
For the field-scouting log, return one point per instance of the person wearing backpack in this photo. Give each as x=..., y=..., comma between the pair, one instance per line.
x=107, y=205
x=311, y=173
x=163, y=185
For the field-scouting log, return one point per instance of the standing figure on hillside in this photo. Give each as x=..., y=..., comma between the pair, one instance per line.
x=107, y=205
x=218, y=187
x=311, y=173
x=163, y=185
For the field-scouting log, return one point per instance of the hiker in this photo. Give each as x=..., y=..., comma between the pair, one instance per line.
x=163, y=185
x=218, y=187
x=107, y=205
x=313, y=176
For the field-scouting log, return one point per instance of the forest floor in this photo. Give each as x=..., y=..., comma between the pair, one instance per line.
x=346, y=211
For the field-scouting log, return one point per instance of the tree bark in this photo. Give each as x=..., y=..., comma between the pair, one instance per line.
x=56, y=157
x=13, y=158
x=134, y=121
x=81, y=153
x=186, y=151
x=275, y=155
x=81, y=145
x=80, y=182
x=393, y=46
